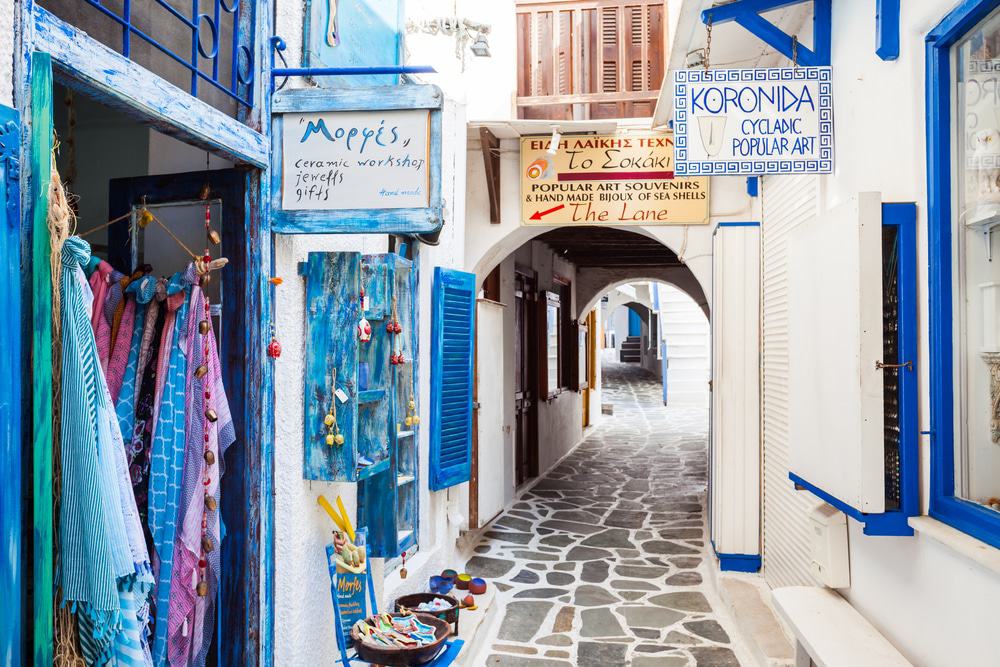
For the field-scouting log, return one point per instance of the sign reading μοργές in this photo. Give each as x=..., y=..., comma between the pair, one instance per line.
x=343, y=160
x=753, y=121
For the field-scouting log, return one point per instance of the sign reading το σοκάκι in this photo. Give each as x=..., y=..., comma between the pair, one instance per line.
x=625, y=178
x=342, y=160
x=754, y=121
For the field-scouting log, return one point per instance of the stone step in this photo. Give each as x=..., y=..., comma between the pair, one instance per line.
x=747, y=598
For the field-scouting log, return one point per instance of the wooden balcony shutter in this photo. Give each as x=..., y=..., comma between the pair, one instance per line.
x=589, y=58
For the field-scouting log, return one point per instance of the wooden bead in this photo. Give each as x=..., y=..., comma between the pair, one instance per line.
x=209, y=457
x=202, y=589
x=214, y=237
x=211, y=415
x=206, y=544
x=210, y=503
x=201, y=371
x=204, y=327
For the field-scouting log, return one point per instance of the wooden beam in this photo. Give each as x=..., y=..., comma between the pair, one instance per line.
x=41, y=355
x=623, y=96
x=491, y=160
x=124, y=85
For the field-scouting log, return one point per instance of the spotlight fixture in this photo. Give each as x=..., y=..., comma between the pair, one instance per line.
x=554, y=141
x=480, y=46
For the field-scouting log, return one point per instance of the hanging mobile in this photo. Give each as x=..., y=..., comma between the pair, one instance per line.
x=402, y=569
x=412, y=418
x=333, y=434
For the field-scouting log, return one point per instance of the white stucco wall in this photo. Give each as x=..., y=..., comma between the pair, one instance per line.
x=303, y=610
x=7, y=10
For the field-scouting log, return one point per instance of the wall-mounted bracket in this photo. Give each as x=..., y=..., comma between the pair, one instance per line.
x=747, y=14
x=887, y=29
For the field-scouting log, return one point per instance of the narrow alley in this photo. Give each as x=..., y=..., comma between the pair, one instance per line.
x=601, y=563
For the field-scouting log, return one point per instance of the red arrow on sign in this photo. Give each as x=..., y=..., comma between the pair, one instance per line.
x=537, y=215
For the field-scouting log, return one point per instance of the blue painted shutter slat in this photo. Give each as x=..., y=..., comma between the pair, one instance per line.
x=453, y=338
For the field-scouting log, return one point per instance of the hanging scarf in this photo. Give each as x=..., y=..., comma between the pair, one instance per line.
x=103, y=282
x=100, y=542
x=191, y=616
x=142, y=430
x=167, y=462
x=141, y=292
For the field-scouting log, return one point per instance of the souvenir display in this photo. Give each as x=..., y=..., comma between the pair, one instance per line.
x=140, y=356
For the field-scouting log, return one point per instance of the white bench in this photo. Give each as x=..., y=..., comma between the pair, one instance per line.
x=830, y=632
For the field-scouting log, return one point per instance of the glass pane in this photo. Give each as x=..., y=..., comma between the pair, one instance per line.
x=977, y=262
x=552, y=345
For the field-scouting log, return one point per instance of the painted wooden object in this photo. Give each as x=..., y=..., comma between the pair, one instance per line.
x=387, y=502
x=10, y=387
x=374, y=406
x=121, y=83
x=41, y=355
x=357, y=221
x=747, y=13
x=354, y=33
x=453, y=340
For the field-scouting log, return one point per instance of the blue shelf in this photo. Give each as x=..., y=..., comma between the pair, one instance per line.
x=370, y=396
x=369, y=471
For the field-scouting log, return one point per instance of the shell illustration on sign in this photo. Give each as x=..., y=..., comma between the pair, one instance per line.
x=539, y=169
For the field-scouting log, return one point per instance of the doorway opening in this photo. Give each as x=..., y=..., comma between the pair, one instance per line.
x=172, y=342
x=546, y=327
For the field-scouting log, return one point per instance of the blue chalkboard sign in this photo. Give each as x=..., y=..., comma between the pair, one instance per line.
x=753, y=121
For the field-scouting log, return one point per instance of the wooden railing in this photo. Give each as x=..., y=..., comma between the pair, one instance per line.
x=583, y=59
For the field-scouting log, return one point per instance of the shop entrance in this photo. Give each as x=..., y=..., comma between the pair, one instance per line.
x=147, y=206
x=526, y=335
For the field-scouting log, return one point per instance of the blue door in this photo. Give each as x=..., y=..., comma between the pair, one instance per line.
x=10, y=387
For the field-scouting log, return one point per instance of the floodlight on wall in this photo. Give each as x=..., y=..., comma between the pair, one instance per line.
x=554, y=141
x=480, y=47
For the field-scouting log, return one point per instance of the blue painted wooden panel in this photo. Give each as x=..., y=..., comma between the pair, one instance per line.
x=332, y=314
x=10, y=388
x=634, y=323
x=374, y=414
x=389, y=221
x=407, y=435
x=118, y=82
x=453, y=340
x=354, y=33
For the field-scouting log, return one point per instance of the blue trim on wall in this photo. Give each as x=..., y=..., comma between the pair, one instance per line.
x=886, y=524
x=738, y=224
x=977, y=521
x=753, y=185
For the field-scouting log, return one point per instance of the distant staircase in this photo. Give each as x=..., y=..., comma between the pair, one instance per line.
x=631, y=351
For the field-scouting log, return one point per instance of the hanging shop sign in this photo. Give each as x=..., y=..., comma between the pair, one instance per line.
x=754, y=121
x=356, y=160
x=608, y=179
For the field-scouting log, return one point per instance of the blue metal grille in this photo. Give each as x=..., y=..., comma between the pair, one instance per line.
x=205, y=26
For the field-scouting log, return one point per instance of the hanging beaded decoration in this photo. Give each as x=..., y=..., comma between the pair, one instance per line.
x=364, y=326
x=394, y=328
x=333, y=434
x=211, y=416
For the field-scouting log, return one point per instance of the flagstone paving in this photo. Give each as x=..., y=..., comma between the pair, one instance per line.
x=601, y=563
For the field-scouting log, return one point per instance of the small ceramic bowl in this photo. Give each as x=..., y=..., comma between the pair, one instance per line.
x=462, y=583
x=450, y=574
x=441, y=585
x=477, y=586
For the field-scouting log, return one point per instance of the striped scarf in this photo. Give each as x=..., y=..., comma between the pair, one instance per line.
x=101, y=548
x=167, y=462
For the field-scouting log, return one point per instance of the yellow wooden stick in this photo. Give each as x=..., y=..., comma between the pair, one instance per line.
x=325, y=504
x=347, y=519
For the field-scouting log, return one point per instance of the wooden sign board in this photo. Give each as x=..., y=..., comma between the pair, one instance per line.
x=608, y=179
x=356, y=160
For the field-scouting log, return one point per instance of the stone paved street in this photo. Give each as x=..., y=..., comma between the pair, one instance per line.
x=601, y=564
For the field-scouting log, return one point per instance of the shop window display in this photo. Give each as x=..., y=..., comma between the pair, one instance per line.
x=977, y=266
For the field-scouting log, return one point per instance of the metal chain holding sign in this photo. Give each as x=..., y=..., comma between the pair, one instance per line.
x=708, y=42
x=795, y=50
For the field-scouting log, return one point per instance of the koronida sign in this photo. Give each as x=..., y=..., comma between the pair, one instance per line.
x=753, y=121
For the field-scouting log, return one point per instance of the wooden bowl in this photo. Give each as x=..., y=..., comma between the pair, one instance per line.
x=448, y=614
x=397, y=656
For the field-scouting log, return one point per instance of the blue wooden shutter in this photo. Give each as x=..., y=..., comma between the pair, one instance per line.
x=453, y=338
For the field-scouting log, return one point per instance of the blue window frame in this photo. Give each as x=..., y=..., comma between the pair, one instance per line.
x=972, y=518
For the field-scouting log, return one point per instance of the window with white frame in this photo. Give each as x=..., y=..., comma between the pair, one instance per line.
x=976, y=256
